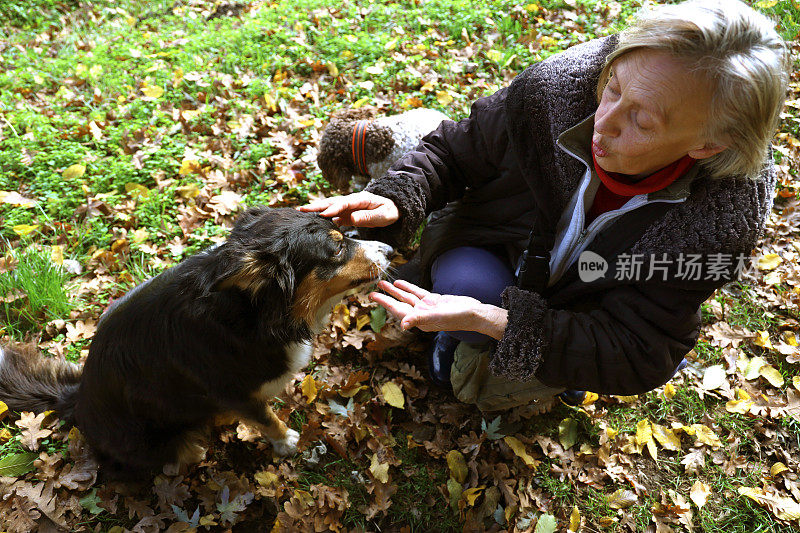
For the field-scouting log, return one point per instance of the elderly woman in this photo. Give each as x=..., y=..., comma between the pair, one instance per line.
x=640, y=162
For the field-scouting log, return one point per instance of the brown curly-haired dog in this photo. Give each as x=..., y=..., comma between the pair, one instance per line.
x=357, y=145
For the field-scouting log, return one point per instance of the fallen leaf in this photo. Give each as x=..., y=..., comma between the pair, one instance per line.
x=769, y=261
x=699, y=493
x=457, y=465
x=772, y=375
x=568, y=433
x=470, y=495
x=309, y=388
x=379, y=470
x=713, y=377
x=622, y=499
x=74, y=171
x=519, y=449
x=574, y=520
x=547, y=523
x=393, y=394
x=667, y=438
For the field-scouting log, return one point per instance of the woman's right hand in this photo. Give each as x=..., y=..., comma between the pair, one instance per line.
x=361, y=209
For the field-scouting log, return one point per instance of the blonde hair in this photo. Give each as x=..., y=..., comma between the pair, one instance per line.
x=735, y=48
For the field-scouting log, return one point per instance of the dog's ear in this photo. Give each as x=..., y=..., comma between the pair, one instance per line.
x=335, y=157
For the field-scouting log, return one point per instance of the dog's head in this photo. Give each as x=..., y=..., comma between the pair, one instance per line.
x=335, y=156
x=288, y=261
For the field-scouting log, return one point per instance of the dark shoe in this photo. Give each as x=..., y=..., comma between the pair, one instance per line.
x=572, y=397
x=440, y=358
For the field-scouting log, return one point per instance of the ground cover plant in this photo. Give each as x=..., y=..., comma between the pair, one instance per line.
x=132, y=133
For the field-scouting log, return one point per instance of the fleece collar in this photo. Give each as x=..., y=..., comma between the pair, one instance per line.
x=578, y=140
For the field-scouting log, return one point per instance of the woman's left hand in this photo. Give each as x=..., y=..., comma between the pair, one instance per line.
x=428, y=311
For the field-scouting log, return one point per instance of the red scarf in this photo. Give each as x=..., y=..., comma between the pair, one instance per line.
x=616, y=189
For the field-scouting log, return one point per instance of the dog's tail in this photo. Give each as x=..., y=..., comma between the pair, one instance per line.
x=31, y=382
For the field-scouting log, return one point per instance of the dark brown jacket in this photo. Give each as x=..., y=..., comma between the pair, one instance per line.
x=484, y=177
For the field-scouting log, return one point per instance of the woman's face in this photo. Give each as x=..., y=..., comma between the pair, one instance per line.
x=653, y=111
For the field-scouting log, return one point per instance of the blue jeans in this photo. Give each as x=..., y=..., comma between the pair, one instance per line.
x=472, y=271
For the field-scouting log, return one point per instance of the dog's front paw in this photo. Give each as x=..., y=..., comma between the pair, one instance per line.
x=287, y=445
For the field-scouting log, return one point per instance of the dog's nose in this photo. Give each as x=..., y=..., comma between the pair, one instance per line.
x=387, y=250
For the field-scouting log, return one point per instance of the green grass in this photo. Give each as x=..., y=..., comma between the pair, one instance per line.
x=33, y=291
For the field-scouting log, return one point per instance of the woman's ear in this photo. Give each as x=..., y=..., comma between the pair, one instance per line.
x=710, y=149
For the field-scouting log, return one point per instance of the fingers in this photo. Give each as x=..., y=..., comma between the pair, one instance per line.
x=398, y=293
x=417, y=291
x=396, y=308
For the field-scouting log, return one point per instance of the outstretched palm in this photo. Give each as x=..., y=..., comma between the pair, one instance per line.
x=428, y=311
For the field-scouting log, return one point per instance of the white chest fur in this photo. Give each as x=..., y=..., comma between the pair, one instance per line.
x=298, y=355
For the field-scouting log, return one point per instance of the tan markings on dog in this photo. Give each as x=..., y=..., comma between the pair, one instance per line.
x=250, y=278
x=336, y=236
x=271, y=426
x=192, y=447
x=313, y=292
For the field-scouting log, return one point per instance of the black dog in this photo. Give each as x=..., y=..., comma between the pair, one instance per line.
x=217, y=335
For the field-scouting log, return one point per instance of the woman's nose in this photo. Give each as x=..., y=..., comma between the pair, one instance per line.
x=606, y=120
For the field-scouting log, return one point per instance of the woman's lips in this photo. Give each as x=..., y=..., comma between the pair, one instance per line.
x=598, y=151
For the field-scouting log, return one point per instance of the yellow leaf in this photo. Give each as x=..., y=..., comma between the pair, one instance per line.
x=740, y=406
x=309, y=388
x=771, y=374
x=443, y=97
x=769, y=261
x=458, y=466
x=187, y=192
x=379, y=470
x=266, y=479
x=753, y=367
x=5, y=435
x=57, y=254
x=188, y=166
x=589, y=398
x=790, y=338
x=796, y=382
x=393, y=394
x=627, y=399
x=611, y=432
x=706, y=436
x=574, y=520
x=669, y=391
x=766, y=4
x=426, y=87
x=333, y=70
x=762, y=339
x=519, y=449
x=362, y=321
x=532, y=8
x=699, y=493
x=3, y=409
x=494, y=55
x=644, y=432
x=190, y=114
x=622, y=499
x=136, y=190
x=153, y=91
x=74, y=171
x=472, y=494
x=16, y=199
x=666, y=438
x=140, y=235
x=360, y=102
x=24, y=229
x=391, y=45
x=777, y=468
